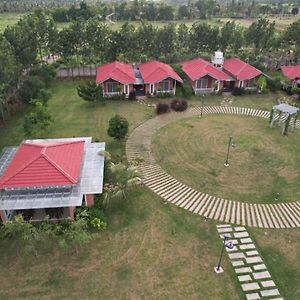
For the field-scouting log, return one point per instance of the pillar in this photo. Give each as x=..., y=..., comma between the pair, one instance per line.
x=89, y=200
x=71, y=212
x=3, y=217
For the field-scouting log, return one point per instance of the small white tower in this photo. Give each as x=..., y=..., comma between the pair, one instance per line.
x=218, y=59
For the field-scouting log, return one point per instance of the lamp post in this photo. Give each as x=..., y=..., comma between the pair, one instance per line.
x=218, y=269
x=202, y=104
x=226, y=164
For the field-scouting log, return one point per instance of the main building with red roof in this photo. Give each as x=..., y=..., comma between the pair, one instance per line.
x=293, y=73
x=206, y=77
x=151, y=77
x=54, y=173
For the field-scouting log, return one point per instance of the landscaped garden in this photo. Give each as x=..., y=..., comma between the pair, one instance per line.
x=150, y=249
x=262, y=161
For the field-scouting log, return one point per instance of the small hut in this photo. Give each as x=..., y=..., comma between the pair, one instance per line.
x=284, y=113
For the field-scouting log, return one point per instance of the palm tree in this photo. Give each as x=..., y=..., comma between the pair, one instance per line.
x=124, y=179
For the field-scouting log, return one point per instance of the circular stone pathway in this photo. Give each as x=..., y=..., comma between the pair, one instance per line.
x=138, y=146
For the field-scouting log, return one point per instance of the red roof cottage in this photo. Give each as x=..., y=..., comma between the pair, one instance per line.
x=203, y=76
x=293, y=73
x=243, y=74
x=117, y=78
x=55, y=175
x=158, y=77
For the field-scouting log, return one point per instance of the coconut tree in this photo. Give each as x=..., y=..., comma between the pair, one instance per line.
x=123, y=179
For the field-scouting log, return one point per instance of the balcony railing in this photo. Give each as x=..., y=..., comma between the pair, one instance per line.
x=251, y=88
x=203, y=90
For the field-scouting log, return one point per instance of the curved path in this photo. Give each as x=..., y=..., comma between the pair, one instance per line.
x=138, y=146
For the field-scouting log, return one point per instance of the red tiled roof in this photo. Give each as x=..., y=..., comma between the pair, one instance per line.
x=240, y=69
x=156, y=71
x=117, y=71
x=199, y=67
x=292, y=72
x=44, y=164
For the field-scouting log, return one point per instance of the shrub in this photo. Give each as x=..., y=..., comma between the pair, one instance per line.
x=164, y=95
x=162, y=108
x=132, y=95
x=237, y=91
x=118, y=127
x=45, y=72
x=30, y=88
x=274, y=84
x=179, y=105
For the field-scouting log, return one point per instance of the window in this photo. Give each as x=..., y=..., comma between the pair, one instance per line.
x=164, y=86
x=202, y=83
x=112, y=87
x=251, y=82
x=241, y=84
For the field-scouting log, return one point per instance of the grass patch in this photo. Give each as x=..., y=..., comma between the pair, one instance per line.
x=262, y=163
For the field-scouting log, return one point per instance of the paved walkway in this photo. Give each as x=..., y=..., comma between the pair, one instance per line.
x=138, y=146
x=252, y=273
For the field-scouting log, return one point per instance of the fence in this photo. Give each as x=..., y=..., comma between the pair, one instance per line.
x=76, y=72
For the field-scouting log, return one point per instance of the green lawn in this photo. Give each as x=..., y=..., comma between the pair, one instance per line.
x=262, y=163
x=9, y=19
x=150, y=250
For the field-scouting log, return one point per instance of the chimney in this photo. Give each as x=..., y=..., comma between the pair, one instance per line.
x=218, y=59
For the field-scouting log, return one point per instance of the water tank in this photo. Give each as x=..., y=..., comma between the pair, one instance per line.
x=218, y=59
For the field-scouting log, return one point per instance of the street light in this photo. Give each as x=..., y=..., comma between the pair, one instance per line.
x=228, y=244
x=202, y=104
x=226, y=164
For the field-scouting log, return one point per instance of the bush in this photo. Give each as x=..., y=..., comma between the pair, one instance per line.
x=132, y=95
x=118, y=127
x=274, y=84
x=162, y=108
x=164, y=95
x=30, y=88
x=237, y=91
x=45, y=72
x=179, y=105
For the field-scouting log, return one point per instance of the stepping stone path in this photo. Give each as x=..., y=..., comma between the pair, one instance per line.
x=252, y=273
x=138, y=147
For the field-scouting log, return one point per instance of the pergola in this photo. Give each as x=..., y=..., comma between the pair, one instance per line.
x=284, y=112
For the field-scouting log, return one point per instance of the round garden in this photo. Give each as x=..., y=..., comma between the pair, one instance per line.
x=262, y=162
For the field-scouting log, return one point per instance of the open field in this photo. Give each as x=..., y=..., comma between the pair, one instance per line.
x=262, y=163
x=282, y=23
x=8, y=19
x=150, y=250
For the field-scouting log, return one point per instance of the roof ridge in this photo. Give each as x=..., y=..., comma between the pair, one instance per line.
x=54, y=164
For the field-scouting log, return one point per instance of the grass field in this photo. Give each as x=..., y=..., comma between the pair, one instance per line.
x=150, y=250
x=281, y=23
x=262, y=163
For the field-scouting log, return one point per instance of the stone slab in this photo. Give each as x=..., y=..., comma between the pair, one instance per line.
x=223, y=225
x=225, y=235
x=253, y=260
x=243, y=270
x=240, y=228
x=236, y=255
x=247, y=246
x=233, y=249
x=242, y=234
x=253, y=296
x=243, y=278
x=268, y=293
x=225, y=230
x=261, y=275
x=268, y=283
x=246, y=241
x=259, y=267
x=237, y=263
x=250, y=286
x=251, y=253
